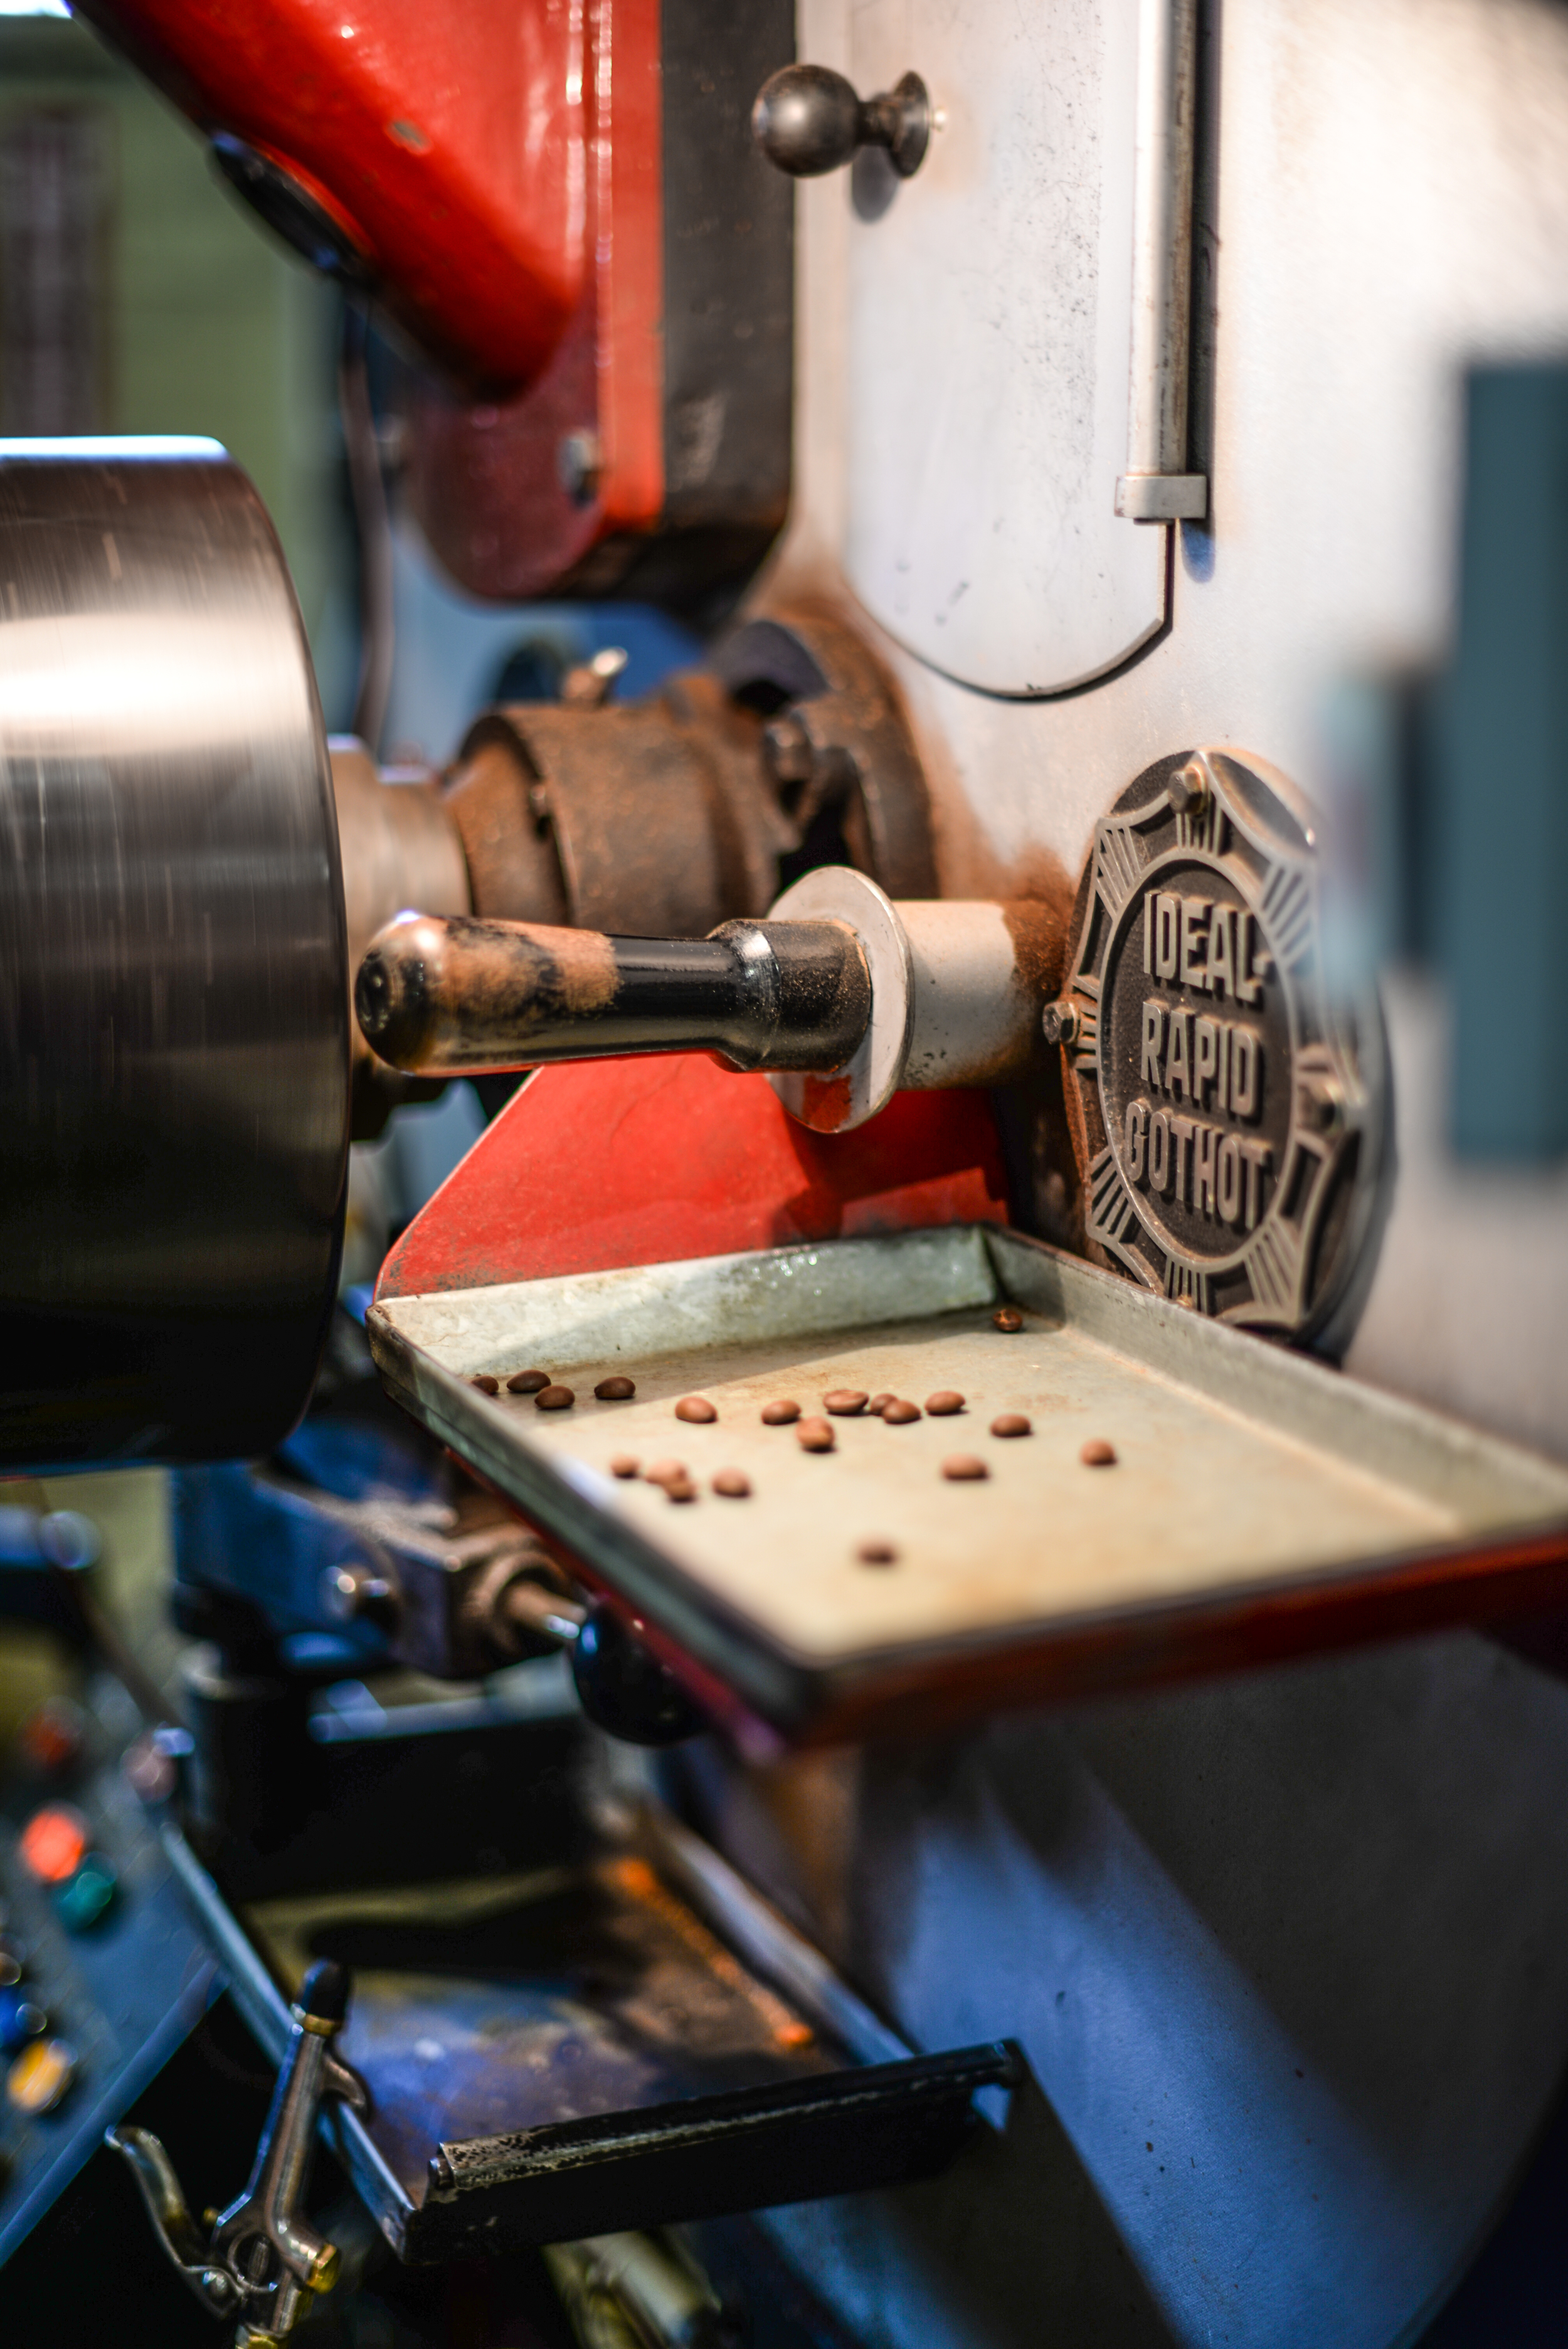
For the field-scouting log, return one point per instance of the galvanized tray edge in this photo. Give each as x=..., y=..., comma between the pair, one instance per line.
x=695, y=1627
x=1299, y=1395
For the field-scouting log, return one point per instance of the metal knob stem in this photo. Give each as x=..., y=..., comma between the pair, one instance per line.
x=807, y=120
x=441, y=997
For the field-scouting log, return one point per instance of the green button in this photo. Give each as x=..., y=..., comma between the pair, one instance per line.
x=82, y=1901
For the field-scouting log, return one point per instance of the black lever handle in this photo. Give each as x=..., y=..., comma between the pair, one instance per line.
x=445, y=997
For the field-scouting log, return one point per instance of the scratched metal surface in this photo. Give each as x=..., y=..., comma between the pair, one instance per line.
x=1238, y=1465
x=503, y=2004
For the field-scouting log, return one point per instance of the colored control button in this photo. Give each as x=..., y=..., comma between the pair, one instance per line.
x=53, y=1842
x=151, y=1764
x=41, y=2075
x=82, y=1901
x=20, y=2021
x=51, y=1738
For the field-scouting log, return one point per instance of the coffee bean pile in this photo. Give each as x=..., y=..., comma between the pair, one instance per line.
x=813, y=1434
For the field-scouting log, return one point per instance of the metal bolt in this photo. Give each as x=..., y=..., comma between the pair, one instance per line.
x=787, y=753
x=359, y=1594
x=1059, y=1022
x=1188, y=790
x=589, y=685
x=579, y=462
x=1322, y=1102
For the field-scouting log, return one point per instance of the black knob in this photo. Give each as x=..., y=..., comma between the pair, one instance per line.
x=626, y=1690
x=324, y=1994
x=807, y=120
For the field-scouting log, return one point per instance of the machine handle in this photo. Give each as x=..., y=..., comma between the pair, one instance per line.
x=262, y=2260
x=444, y=997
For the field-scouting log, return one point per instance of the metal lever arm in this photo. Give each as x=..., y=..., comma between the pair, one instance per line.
x=839, y=995
x=262, y=2260
x=445, y=997
x=171, y=2220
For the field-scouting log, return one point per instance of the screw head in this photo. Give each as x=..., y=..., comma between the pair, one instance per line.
x=788, y=755
x=1322, y=1102
x=1188, y=790
x=579, y=462
x=1059, y=1022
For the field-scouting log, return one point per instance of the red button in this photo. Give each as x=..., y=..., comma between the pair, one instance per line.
x=53, y=1842
x=51, y=1737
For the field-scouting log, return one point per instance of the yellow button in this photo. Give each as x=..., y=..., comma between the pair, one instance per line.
x=40, y=2075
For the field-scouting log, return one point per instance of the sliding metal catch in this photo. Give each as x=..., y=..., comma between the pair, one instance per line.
x=261, y=2260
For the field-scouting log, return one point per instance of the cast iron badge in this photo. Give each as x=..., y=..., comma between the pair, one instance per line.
x=1230, y=1116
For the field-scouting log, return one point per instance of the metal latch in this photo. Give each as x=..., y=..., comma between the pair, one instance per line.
x=262, y=2260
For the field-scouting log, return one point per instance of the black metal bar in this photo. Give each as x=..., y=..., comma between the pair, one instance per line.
x=442, y=997
x=755, y=2148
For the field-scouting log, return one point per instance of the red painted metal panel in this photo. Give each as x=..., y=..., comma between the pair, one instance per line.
x=450, y=142
x=597, y=1163
x=486, y=481
x=629, y=259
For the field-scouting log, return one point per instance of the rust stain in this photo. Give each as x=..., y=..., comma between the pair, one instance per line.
x=825, y=1103
x=637, y=1880
x=585, y=976
x=514, y=867
x=1038, y=928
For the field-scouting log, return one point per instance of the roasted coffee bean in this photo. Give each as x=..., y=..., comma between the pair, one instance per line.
x=899, y=1413
x=485, y=1383
x=616, y=1390
x=964, y=1468
x=528, y=1382
x=554, y=1399
x=686, y=1491
x=625, y=1465
x=696, y=1410
x=781, y=1414
x=877, y=1553
x=733, y=1483
x=667, y=1472
x=845, y=1402
x=815, y=1435
x=942, y=1404
x=1008, y=1318
x=1012, y=1423
x=878, y=1404
x=1097, y=1454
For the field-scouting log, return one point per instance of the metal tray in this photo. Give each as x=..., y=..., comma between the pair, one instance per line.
x=636, y=2040
x=1260, y=1504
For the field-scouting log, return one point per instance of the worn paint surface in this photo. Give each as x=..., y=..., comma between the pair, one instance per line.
x=640, y=1162
x=504, y=2005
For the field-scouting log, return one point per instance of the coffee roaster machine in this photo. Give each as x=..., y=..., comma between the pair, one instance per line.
x=922, y=1599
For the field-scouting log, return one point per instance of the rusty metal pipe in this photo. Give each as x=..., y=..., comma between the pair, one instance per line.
x=445, y=998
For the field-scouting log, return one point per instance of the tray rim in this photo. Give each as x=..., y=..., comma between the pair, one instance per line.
x=771, y=1696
